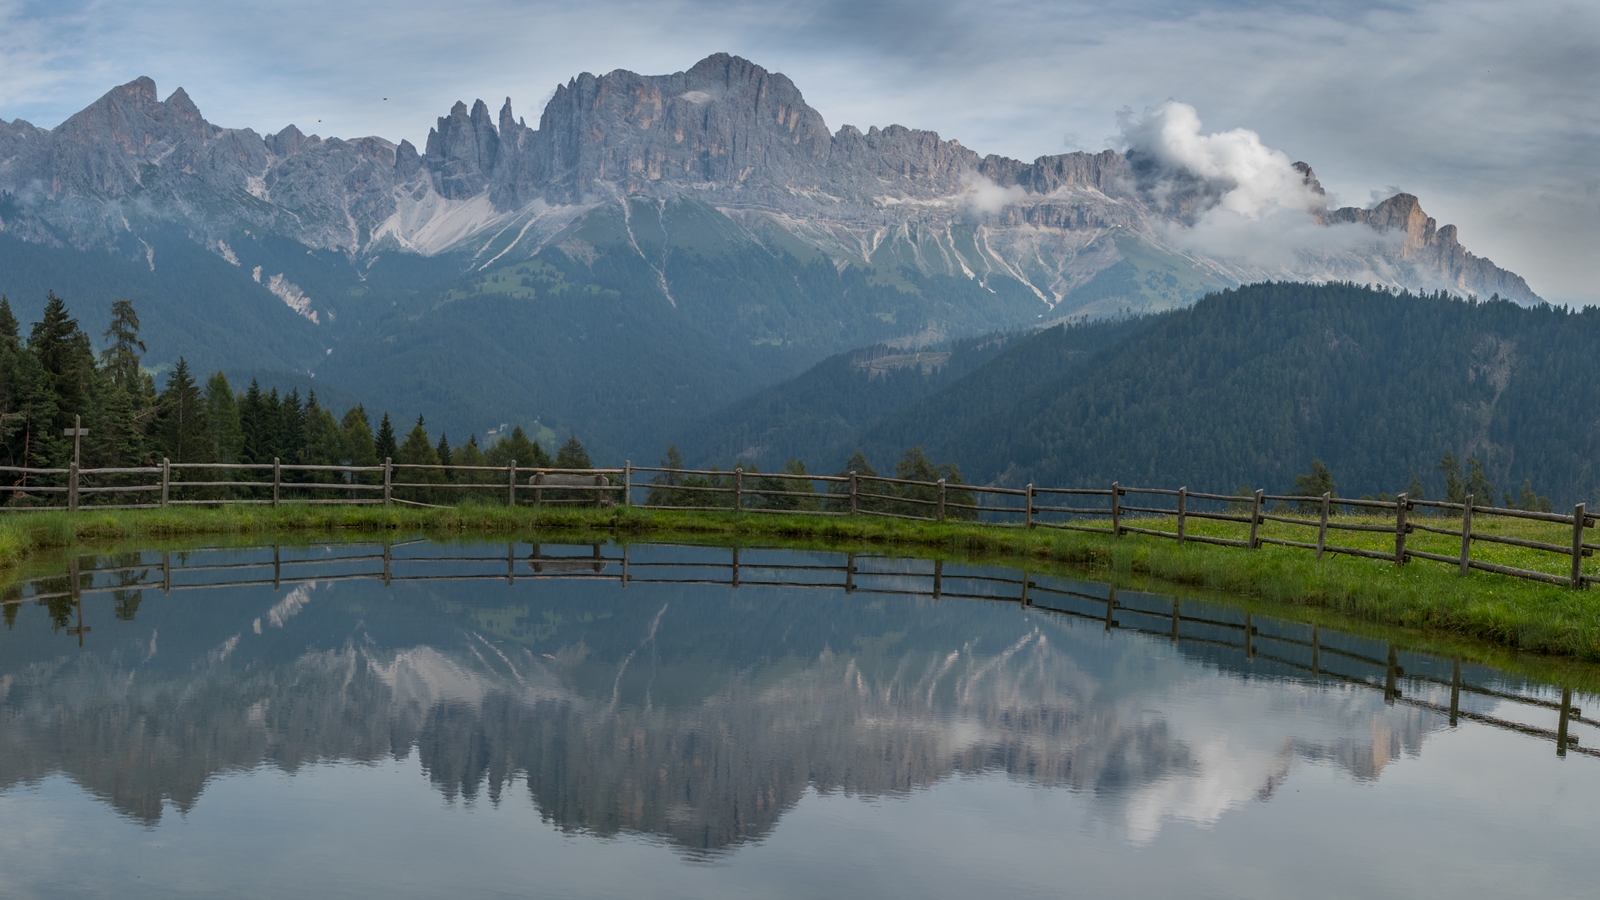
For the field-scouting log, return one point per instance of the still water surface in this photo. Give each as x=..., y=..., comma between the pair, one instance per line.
x=426, y=720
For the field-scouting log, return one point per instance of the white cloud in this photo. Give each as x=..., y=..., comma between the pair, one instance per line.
x=984, y=197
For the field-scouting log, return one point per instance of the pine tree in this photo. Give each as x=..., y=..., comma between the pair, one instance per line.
x=1315, y=483
x=1478, y=485
x=468, y=454
x=120, y=359
x=418, y=451
x=1454, y=491
x=181, y=427
x=527, y=454
x=64, y=354
x=291, y=443
x=222, y=412
x=325, y=443
x=383, y=442
x=443, y=450
x=357, y=444
x=572, y=455
x=257, y=443
x=662, y=494
x=8, y=323
x=858, y=464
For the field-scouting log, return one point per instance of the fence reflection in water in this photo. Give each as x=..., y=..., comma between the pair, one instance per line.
x=1267, y=646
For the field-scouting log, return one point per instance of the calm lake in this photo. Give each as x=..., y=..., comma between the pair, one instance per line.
x=483, y=720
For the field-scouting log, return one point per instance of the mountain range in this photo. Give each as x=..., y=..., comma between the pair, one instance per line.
x=656, y=248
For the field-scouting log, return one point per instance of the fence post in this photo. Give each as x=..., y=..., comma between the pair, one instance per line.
x=1401, y=503
x=738, y=488
x=1116, y=510
x=600, y=496
x=1183, y=507
x=627, y=482
x=940, y=506
x=1028, y=517
x=1577, y=547
x=277, y=480
x=511, y=484
x=1322, y=529
x=538, y=489
x=1255, y=519
x=388, y=494
x=72, y=486
x=1466, y=536
x=852, y=492
x=166, y=481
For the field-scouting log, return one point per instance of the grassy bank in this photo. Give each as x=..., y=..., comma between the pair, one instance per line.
x=1428, y=597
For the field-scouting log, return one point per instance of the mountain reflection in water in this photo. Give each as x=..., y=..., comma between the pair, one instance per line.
x=692, y=712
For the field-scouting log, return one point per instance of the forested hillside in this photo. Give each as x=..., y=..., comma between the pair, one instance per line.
x=819, y=416
x=51, y=381
x=1250, y=385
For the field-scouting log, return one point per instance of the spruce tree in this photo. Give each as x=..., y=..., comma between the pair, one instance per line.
x=443, y=450
x=325, y=445
x=527, y=454
x=256, y=445
x=1454, y=490
x=572, y=455
x=356, y=441
x=8, y=323
x=1478, y=484
x=418, y=451
x=292, y=429
x=469, y=454
x=222, y=412
x=383, y=443
x=64, y=353
x=120, y=359
x=182, y=430
x=1315, y=483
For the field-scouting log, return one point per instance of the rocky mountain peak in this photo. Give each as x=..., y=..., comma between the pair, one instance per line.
x=726, y=132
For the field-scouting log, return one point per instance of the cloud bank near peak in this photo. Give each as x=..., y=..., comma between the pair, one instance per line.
x=1247, y=203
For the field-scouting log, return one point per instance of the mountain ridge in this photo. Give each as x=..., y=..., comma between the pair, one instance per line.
x=725, y=131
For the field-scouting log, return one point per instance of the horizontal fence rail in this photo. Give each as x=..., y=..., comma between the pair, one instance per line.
x=1309, y=523
x=1300, y=650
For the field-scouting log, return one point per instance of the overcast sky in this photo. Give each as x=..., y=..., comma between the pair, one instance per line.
x=1488, y=111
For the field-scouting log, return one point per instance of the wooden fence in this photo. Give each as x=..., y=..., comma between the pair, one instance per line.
x=1105, y=510
x=1302, y=651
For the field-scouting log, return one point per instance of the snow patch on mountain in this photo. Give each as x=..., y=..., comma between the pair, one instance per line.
x=289, y=292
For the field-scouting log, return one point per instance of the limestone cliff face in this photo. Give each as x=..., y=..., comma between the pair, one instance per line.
x=1434, y=249
x=725, y=132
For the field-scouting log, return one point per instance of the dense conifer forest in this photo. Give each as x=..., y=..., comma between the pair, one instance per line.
x=1389, y=391
x=52, y=379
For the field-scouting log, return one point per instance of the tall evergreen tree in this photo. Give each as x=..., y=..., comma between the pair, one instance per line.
x=120, y=358
x=356, y=441
x=572, y=455
x=383, y=443
x=469, y=454
x=291, y=442
x=324, y=439
x=65, y=356
x=1478, y=484
x=443, y=450
x=418, y=451
x=256, y=439
x=8, y=322
x=1454, y=490
x=181, y=427
x=222, y=412
x=527, y=454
